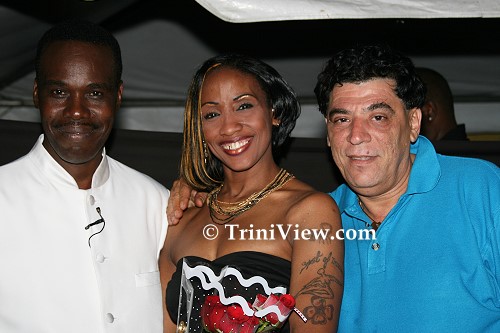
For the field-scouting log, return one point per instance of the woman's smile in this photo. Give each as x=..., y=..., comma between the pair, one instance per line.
x=236, y=147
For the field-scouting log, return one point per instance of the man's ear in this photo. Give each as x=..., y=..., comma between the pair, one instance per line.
x=414, y=118
x=327, y=138
x=36, y=102
x=119, y=95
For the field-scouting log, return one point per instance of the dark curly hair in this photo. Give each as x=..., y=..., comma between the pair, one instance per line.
x=205, y=172
x=364, y=63
x=81, y=31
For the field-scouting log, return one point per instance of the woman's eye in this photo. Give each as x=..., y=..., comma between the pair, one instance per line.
x=210, y=115
x=245, y=106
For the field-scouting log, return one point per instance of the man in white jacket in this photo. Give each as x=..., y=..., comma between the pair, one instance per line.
x=80, y=231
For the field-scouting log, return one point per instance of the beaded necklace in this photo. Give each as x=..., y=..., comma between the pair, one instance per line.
x=233, y=209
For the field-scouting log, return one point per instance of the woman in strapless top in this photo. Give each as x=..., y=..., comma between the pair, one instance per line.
x=258, y=218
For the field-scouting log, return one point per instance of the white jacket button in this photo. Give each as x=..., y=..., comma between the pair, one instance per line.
x=100, y=258
x=110, y=318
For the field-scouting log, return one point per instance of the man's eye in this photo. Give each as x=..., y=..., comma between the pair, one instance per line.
x=96, y=94
x=338, y=120
x=57, y=92
x=379, y=118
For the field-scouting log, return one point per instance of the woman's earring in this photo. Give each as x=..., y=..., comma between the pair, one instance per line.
x=276, y=121
x=205, y=151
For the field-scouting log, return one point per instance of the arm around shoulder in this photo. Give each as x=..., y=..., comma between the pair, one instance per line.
x=181, y=197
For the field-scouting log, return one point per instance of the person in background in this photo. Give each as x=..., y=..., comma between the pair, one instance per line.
x=434, y=265
x=239, y=110
x=81, y=232
x=438, y=111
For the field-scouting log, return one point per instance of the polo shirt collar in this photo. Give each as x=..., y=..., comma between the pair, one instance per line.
x=424, y=176
x=426, y=170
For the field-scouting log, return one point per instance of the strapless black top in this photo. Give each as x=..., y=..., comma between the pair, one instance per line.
x=275, y=270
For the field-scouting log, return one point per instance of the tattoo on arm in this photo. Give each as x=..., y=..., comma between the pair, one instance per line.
x=320, y=290
x=313, y=260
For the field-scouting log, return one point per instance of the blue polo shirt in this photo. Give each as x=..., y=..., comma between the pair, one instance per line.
x=435, y=263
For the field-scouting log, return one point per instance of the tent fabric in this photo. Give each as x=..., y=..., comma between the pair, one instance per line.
x=162, y=49
x=241, y=11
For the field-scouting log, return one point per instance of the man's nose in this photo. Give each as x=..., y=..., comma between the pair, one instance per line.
x=77, y=107
x=359, y=132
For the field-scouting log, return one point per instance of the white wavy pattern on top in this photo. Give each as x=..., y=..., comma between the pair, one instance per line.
x=202, y=272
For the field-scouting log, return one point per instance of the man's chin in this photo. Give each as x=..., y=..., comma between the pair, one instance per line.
x=77, y=154
x=79, y=157
x=361, y=184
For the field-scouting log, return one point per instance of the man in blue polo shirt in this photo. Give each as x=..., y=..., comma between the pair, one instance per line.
x=435, y=263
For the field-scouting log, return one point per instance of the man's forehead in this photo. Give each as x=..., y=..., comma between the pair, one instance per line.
x=363, y=93
x=56, y=46
x=64, y=57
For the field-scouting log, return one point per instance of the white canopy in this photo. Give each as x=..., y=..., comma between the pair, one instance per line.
x=161, y=49
x=239, y=11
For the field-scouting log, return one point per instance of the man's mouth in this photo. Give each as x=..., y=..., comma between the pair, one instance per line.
x=76, y=128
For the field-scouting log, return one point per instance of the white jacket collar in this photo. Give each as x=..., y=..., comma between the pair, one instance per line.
x=56, y=173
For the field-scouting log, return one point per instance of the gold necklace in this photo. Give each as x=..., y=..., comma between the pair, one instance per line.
x=234, y=209
x=375, y=224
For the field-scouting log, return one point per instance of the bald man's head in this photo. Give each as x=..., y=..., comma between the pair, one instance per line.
x=438, y=112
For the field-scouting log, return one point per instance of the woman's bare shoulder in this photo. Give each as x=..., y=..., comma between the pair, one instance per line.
x=308, y=204
x=304, y=194
x=188, y=218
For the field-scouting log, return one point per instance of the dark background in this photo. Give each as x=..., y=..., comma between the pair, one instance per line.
x=157, y=153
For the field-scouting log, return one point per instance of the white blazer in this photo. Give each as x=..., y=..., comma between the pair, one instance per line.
x=51, y=280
